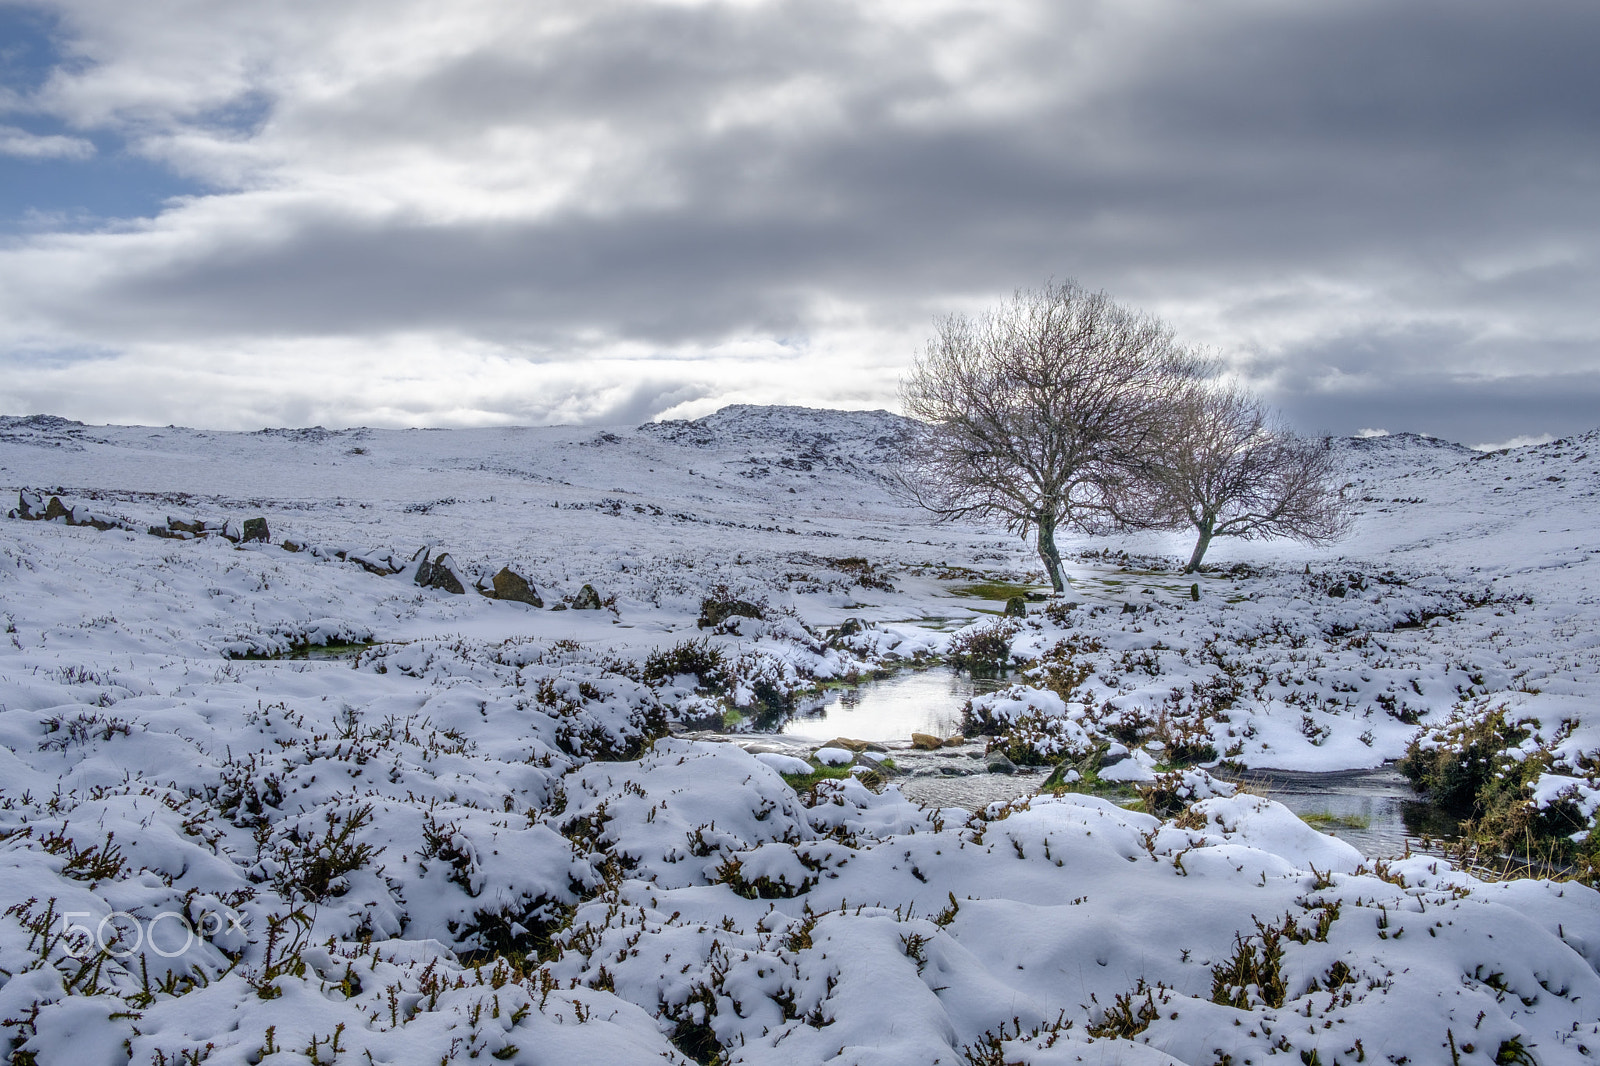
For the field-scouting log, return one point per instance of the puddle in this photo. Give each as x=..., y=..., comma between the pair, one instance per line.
x=916, y=701
x=1375, y=809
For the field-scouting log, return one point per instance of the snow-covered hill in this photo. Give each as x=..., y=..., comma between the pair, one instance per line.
x=280, y=860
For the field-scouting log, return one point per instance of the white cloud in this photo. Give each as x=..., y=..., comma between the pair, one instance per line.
x=24, y=145
x=1524, y=441
x=702, y=197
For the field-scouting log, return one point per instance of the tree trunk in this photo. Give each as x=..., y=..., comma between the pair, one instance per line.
x=1200, y=547
x=1047, y=550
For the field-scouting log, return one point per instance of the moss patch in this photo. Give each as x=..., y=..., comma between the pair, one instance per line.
x=1325, y=820
x=992, y=590
x=819, y=773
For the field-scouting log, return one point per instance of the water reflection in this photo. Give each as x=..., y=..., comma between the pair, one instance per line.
x=1375, y=809
x=917, y=701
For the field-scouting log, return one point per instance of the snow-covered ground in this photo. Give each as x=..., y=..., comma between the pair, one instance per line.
x=466, y=840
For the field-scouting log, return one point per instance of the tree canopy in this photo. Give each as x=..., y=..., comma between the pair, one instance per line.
x=1062, y=409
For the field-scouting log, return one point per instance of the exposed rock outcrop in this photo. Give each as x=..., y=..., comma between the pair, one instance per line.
x=507, y=584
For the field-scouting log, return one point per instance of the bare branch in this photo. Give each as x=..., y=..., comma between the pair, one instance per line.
x=1037, y=409
x=1227, y=468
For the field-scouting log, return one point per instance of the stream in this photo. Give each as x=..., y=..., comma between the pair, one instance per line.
x=1374, y=809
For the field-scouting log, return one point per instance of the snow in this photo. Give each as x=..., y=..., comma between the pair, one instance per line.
x=471, y=840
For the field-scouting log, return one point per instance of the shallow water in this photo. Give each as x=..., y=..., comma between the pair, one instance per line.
x=1374, y=809
x=916, y=701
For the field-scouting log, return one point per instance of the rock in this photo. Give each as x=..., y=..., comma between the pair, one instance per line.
x=293, y=544
x=443, y=575
x=996, y=762
x=926, y=742
x=30, y=505
x=510, y=585
x=955, y=741
x=848, y=628
x=1194, y=592
x=713, y=612
x=192, y=526
x=255, y=529
x=380, y=562
x=834, y=756
x=82, y=516
x=1129, y=608
x=784, y=764
x=1017, y=607
x=1062, y=776
x=850, y=744
x=419, y=568
x=56, y=509
x=1111, y=755
x=587, y=599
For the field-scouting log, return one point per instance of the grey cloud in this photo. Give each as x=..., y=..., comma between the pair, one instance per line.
x=1464, y=411
x=1430, y=163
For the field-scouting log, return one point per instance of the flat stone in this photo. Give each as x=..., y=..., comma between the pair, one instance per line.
x=850, y=744
x=926, y=742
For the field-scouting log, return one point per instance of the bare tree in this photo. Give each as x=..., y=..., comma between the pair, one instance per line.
x=1036, y=410
x=1227, y=468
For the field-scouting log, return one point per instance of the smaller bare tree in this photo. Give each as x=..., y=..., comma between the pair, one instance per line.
x=1227, y=468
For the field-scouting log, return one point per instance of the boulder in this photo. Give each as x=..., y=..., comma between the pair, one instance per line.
x=926, y=742
x=713, y=612
x=56, y=509
x=30, y=505
x=844, y=630
x=82, y=516
x=443, y=575
x=293, y=544
x=179, y=524
x=955, y=741
x=1017, y=607
x=878, y=761
x=587, y=599
x=996, y=762
x=834, y=756
x=510, y=585
x=255, y=529
x=381, y=562
x=418, y=568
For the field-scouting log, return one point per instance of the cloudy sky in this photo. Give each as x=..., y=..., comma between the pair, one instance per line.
x=234, y=214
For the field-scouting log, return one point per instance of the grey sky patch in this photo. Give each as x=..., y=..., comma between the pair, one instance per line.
x=1348, y=201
